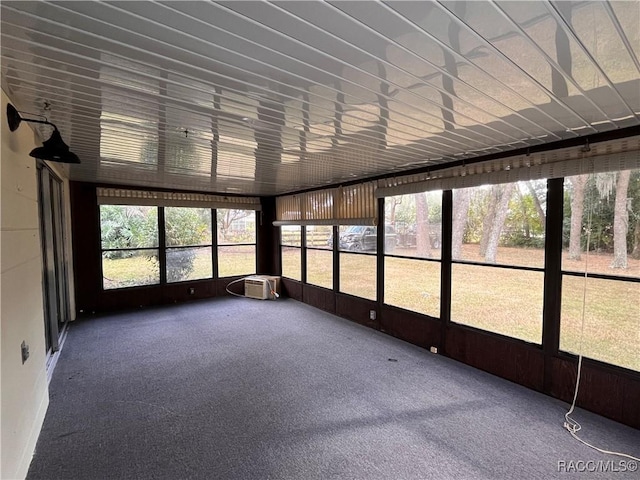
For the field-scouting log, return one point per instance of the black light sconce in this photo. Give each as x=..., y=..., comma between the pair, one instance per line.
x=54, y=149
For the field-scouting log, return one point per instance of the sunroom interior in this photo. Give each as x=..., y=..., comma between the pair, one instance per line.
x=464, y=176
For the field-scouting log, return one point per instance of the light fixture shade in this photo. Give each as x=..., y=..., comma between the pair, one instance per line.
x=13, y=117
x=55, y=150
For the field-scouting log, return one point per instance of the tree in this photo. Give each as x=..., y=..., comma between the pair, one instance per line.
x=635, y=252
x=578, y=184
x=187, y=226
x=125, y=227
x=184, y=227
x=487, y=222
x=423, y=243
x=391, y=204
x=502, y=209
x=226, y=218
x=461, y=200
x=620, y=221
x=405, y=212
x=537, y=202
x=523, y=221
x=634, y=214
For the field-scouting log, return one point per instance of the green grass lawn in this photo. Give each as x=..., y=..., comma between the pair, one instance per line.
x=504, y=301
x=612, y=320
x=320, y=268
x=413, y=284
x=500, y=300
x=236, y=260
x=358, y=275
x=140, y=270
x=128, y=272
x=292, y=263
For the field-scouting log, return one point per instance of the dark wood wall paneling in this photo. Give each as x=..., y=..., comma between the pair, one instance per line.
x=319, y=297
x=505, y=357
x=291, y=288
x=267, y=243
x=602, y=390
x=115, y=300
x=221, y=285
x=551, y=311
x=85, y=237
x=180, y=292
x=630, y=401
x=608, y=391
x=411, y=327
x=357, y=310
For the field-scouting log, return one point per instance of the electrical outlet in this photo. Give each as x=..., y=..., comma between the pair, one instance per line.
x=433, y=349
x=192, y=291
x=372, y=314
x=24, y=348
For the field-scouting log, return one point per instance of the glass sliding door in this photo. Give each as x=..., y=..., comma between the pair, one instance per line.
x=54, y=268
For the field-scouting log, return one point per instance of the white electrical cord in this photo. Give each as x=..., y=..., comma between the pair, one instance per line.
x=572, y=426
x=231, y=283
x=273, y=288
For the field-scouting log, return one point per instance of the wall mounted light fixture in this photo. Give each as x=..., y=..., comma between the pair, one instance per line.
x=54, y=149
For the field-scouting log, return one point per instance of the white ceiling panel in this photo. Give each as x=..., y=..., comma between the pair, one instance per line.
x=266, y=98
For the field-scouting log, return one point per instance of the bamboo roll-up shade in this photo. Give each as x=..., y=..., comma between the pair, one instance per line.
x=351, y=205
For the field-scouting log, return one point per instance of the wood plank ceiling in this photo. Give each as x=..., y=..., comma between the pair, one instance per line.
x=264, y=98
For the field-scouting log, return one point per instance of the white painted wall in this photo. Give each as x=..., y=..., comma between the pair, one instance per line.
x=24, y=391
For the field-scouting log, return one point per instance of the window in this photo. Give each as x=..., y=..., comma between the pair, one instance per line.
x=498, y=235
x=129, y=244
x=413, y=285
x=188, y=243
x=413, y=229
x=291, y=250
x=414, y=225
x=236, y=242
x=319, y=255
x=501, y=300
x=357, y=238
x=500, y=224
x=601, y=238
x=357, y=245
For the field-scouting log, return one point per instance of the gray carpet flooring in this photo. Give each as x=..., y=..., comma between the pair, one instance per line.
x=236, y=388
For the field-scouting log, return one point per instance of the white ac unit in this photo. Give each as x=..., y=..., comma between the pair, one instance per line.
x=261, y=286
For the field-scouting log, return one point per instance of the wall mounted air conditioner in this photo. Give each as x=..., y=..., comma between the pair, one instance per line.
x=261, y=286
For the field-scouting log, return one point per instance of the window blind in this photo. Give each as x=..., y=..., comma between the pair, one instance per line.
x=119, y=196
x=352, y=205
x=614, y=155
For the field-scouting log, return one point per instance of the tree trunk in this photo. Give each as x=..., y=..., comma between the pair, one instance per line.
x=537, y=203
x=502, y=209
x=224, y=225
x=621, y=221
x=635, y=253
x=577, y=209
x=461, y=199
x=488, y=219
x=423, y=245
x=394, y=201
